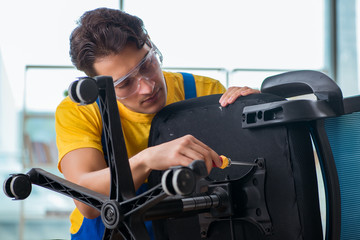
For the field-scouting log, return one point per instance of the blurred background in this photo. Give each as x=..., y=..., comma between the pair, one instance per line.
x=239, y=42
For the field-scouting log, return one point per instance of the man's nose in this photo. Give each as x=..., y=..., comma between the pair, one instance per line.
x=146, y=86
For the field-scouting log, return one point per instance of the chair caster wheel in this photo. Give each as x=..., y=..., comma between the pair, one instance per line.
x=17, y=186
x=179, y=181
x=84, y=91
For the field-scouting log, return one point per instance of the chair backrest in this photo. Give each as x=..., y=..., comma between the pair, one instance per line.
x=336, y=137
x=290, y=186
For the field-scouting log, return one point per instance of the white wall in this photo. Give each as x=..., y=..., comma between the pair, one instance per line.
x=9, y=124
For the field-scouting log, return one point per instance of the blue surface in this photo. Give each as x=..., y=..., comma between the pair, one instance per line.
x=344, y=138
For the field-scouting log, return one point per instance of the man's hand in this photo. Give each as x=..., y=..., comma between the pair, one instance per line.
x=233, y=93
x=181, y=151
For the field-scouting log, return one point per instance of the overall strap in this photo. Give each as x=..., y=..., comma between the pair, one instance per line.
x=189, y=85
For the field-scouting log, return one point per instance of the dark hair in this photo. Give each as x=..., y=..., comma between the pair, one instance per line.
x=102, y=32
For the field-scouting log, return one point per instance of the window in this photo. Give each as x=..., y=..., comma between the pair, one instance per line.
x=250, y=37
x=347, y=46
x=34, y=45
x=239, y=42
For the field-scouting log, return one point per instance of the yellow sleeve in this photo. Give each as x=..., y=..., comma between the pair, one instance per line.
x=208, y=86
x=77, y=127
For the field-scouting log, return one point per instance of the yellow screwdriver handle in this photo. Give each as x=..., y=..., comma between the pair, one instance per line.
x=226, y=162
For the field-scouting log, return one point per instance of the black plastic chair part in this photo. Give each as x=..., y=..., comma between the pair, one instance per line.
x=302, y=82
x=330, y=103
x=272, y=195
x=290, y=188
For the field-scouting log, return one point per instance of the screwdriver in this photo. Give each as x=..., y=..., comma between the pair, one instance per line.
x=226, y=162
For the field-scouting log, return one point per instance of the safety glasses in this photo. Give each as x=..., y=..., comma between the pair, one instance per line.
x=146, y=69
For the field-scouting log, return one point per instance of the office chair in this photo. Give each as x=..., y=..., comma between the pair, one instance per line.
x=269, y=192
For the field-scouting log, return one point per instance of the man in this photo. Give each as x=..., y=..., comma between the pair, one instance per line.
x=113, y=43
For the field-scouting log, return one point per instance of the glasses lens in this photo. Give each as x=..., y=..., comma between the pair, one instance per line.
x=129, y=84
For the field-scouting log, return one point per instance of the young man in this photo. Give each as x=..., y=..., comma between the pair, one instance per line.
x=113, y=43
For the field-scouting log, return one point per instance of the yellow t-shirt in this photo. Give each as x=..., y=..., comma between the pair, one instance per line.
x=81, y=126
